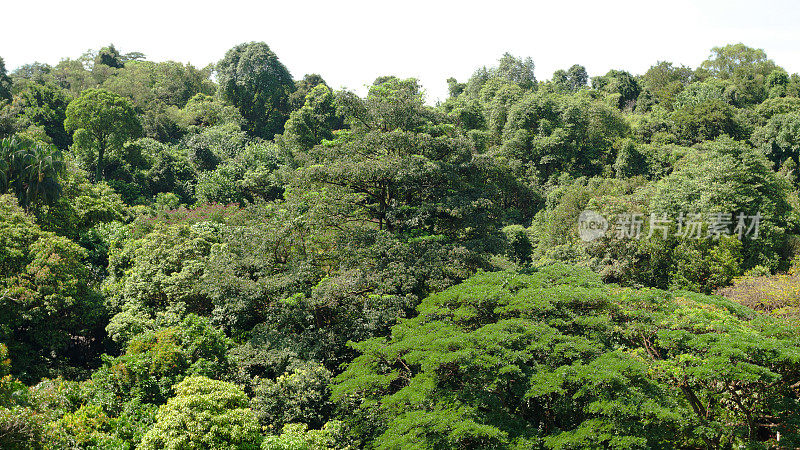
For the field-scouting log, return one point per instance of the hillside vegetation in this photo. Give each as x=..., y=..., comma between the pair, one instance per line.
x=237, y=257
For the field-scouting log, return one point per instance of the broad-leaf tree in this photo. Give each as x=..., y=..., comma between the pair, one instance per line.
x=101, y=120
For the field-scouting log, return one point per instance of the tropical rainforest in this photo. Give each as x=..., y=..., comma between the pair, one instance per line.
x=236, y=257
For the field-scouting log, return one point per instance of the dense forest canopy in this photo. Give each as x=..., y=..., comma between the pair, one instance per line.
x=238, y=257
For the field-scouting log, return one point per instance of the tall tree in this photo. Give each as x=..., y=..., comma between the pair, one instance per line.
x=109, y=56
x=40, y=168
x=737, y=61
x=5, y=82
x=517, y=70
x=104, y=119
x=252, y=78
x=577, y=77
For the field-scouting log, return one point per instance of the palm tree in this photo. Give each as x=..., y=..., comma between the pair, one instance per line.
x=32, y=170
x=40, y=168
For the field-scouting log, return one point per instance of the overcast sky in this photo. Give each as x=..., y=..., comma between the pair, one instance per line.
x=350, y=43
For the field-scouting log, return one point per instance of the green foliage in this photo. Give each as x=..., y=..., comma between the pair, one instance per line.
x=546, y=136
x=159, y=357
x=101, y=120
x=206, y=111
x=630, y=161
x=780, y=138
x=299, y=395
x=42, y=105
x=47, y=298
x=80, y=207
x=621, y=85
x=298, y=437
x=5, y=82
x=729, y=176
x=315, y=120
x=518, y=244
x=516, y=70
x=665, y=81
x=738, y=60
x=204, y=413
x=253, y=174
x=32, y=170
x=160, y=269
x=253, y=79
x=243, y=227
x=20, y=429
x=706, y=121
x=556, y=359
x=87, y=427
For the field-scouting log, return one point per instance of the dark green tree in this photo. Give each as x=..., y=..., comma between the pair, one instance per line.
x=109, y=56
x=5, y=82
x=303, y=87
x=43, y=105
x=252, y=78
x=32, y=170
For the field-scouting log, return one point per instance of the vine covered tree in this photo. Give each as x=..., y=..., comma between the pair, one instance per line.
x=253, y=79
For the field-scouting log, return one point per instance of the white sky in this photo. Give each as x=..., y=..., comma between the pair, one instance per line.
x=350, y=43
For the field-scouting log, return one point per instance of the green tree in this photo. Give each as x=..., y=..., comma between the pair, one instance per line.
x=315, y=120
x=619, y=82
x=206, y=111
x=109, y=56
x=101, y=120
x=780, y=138
x=47, y=298
x=727, y=176
x=32, y=170
x=40, y=168
x=297, y=436
x=665, y=81
x=546, y=136
x=577, y=77
x=517, y=70
x=705, y=121
x=252, y=78
x=42, y=105
x=5, y=82
x=298, y=396
x=303, y=87
x=204, y=413
x=630, y=161
x=737, y=61
x=163, y=268
x=163, y=350
x=555, y=359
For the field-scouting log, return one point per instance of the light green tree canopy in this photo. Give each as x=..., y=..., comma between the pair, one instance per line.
x=204, y=414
